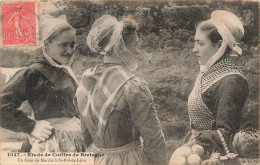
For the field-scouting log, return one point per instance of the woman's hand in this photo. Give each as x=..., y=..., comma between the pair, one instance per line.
x=42, y=130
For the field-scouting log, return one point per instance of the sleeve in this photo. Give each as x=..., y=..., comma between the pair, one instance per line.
x=12, y=96
x=87, y=139
x=230, y=95
x=145, y=119
x=81, y=102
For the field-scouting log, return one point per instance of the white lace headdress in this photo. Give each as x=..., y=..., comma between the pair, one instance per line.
x=49, y=25
x=109, y=27
x=231, y=30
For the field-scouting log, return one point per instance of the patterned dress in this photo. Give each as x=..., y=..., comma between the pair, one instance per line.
x=118, y=114
x=215, y=105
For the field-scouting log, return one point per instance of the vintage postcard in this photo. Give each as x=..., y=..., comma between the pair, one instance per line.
x=155, y=82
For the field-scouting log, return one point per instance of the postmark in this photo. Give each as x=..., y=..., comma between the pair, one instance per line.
x=19, y=24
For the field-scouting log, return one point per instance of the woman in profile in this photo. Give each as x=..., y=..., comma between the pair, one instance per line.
x=221, y=90
x=116, y=106
x=49, y=85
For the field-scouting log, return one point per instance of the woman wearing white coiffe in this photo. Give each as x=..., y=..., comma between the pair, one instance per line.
x=116, y=106
x=49, y=26
x=67, y=132
x=220, y=91
x=49, y=85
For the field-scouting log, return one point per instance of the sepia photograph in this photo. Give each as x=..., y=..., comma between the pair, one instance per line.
x=129, y=82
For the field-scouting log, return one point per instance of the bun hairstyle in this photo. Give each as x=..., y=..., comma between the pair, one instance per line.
x=130, y=25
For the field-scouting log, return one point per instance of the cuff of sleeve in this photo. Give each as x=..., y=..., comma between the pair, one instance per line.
x=210, y=141
x=28, y=126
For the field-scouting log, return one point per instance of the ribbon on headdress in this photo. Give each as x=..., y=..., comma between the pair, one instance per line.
x=109, y=27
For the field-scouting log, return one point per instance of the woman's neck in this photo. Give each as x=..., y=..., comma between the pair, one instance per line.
x=112, y=59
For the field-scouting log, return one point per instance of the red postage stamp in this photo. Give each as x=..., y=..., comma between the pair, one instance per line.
x=19, y=23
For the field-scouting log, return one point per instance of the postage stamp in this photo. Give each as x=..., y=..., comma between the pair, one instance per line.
x=19, y=23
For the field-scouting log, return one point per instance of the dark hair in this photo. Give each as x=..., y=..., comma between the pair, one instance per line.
x=58, y=32
x=214, y=35
x=130, y=26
